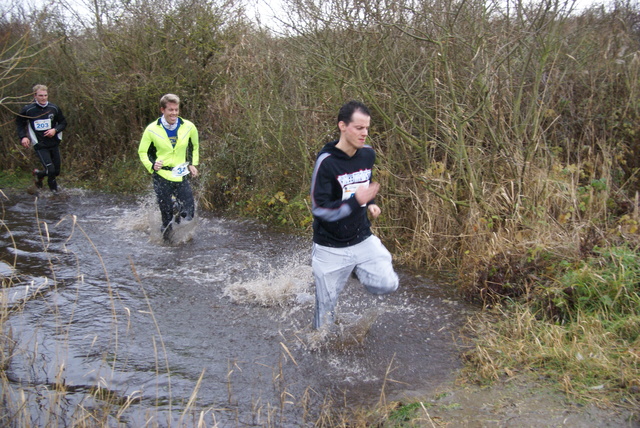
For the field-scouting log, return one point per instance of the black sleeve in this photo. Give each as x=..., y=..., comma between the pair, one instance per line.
x=22, y=122
x=61, y=122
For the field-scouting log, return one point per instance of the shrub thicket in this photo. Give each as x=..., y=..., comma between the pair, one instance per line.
x=501, y=130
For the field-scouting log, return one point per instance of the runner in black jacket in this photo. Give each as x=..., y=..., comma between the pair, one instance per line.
x=342, y=194
x=339, y=220
x=41, y=124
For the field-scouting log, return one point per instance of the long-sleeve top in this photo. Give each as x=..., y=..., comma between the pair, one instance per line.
x=156, y=145
x=338, y=219
x=34, y=120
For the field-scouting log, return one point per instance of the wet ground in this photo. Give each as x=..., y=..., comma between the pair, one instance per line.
x=214, y=326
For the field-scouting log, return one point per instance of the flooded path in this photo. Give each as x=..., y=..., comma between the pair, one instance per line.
x=213, y=330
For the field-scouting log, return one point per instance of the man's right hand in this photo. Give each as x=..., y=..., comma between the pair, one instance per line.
x=26, y=142
x=364, y=194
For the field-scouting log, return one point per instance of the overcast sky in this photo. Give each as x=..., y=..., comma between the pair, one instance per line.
x=265, y=9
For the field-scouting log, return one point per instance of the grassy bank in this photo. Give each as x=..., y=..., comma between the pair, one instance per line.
x=582, y=331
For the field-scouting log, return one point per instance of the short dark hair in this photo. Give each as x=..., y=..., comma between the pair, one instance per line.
x=346, y=111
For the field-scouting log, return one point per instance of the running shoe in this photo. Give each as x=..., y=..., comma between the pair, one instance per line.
x=38, y=180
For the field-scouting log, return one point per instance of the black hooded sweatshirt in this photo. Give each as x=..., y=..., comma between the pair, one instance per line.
x=338, y=219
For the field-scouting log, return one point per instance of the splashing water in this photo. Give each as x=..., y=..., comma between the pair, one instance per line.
x=146, y=218
x=283, y=286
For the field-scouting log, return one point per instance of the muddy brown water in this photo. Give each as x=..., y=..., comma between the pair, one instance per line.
x=215, y=327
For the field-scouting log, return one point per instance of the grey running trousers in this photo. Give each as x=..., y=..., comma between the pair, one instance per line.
x=332, y=267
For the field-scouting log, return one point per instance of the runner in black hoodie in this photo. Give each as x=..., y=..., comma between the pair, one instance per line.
x=341, y=196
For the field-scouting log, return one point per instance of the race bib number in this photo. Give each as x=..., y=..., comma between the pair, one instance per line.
x=180, y=170
x=42, y=124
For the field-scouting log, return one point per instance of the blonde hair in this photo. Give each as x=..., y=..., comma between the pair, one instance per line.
x=37, y=88
x=169, y=98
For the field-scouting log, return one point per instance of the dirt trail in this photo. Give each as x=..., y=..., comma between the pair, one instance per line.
x=512, y=403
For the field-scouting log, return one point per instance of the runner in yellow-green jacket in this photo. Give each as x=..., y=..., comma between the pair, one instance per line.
x=169, y=149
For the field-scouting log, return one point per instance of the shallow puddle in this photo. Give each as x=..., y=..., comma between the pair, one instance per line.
x=213, y=329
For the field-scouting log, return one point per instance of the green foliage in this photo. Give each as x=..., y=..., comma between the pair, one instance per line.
x=121, y=176
x=403, y=413
x=276, y=209
x=581, y=330
x=605, y=286
x=14, y=178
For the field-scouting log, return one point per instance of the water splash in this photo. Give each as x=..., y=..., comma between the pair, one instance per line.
x=289, y=290
x=349, y=330
x=184, y=231
x=146, y=218
x=283, y=286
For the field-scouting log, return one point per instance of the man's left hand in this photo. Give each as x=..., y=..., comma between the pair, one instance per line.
x=193, y=170
x=374, y=210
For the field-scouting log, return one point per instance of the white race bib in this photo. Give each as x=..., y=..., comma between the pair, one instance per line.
x=42, y=124
x=180, y=170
